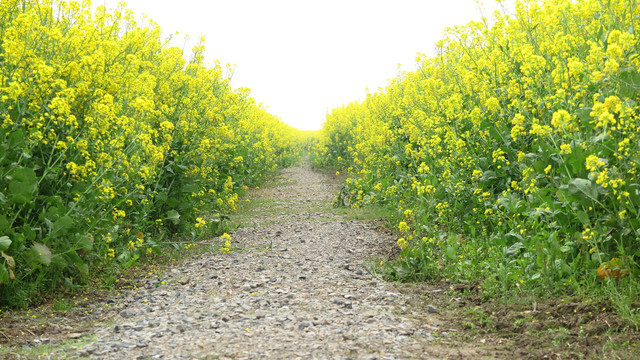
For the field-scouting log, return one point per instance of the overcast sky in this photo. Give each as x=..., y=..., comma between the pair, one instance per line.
x=301, y=58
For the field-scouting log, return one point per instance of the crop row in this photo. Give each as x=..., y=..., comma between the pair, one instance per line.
x=511, y=157
x=111, y=142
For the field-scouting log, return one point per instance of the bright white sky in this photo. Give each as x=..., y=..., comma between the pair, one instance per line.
x=303, y=58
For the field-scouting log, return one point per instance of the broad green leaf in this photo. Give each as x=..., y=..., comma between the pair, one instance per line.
x=583, y=186
x=513, y=249
x=540, y=165
x=28, y=232
x=25, y=175
x=514, y=235
x=77, y=261
x=41, y=254
x=59, y=261
x=451, y=252
x=174, y=216
x=83, y=268
x=5, y=242
x=53, y=213
x=16, y=138
x=20, y=192
x=402, y=270
x=191, y=188
x=85, y=242
x=488, y=175
x=535, y=276
x=60, y=225
x=583, y=217
x=561, y=194
x=162, y=196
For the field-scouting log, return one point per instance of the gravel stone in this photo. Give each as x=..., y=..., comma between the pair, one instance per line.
x=432, y=309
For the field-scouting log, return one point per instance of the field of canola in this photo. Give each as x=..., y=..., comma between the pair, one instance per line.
x=112, y=143
x=511, y=158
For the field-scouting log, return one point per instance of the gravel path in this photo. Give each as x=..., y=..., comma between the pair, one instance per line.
x=295, y=287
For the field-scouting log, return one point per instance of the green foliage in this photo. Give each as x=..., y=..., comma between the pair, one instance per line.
x=512, y=156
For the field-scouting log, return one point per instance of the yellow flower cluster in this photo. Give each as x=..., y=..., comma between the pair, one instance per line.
x=519, y=123
x=200, y=222
x=226, y=246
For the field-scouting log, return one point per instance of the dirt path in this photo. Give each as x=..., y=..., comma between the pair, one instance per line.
x=295, y=286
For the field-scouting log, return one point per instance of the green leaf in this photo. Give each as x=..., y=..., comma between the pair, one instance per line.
x=402, y=270
x=583, y=217
x=41, y=254
x=629, y=83
x=514, y=249
x=154, y=246
x=4, y=275
x=583, y=186
x=59, y=261
x=535, y=276
x=174, y=216
x=5, y=242
x=60, y=225
x=28, y=232
x=23, y=184
x=488, y=175
x=20, y=192
x=600, y=33
x=162, y=196
x=562, y=195
x=16, y=138
x=4, y=223
x=83, y=268
x=190, y=188
x=77, y=261
x=25, y=175
x=85, y=242
x=514, y=235
x=451, y=252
